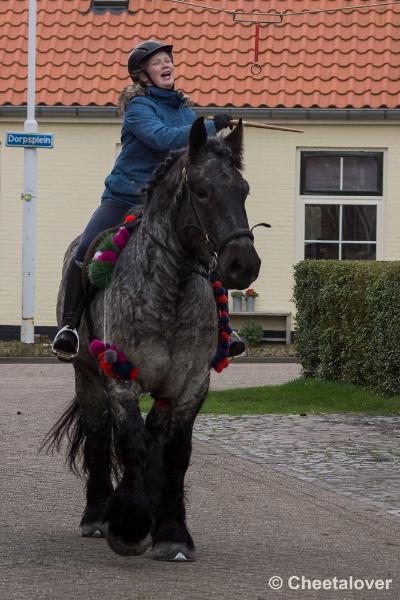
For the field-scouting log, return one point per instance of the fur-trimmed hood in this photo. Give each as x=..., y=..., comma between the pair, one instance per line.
x=136, y=89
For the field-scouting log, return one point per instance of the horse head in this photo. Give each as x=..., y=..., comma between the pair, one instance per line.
x=212, y=223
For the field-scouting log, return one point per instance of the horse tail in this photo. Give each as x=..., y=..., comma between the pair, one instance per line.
x=71, y=425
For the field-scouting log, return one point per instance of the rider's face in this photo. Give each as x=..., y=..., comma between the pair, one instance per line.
x=161, y=70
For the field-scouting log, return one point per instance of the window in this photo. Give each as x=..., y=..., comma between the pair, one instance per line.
x=341, y=204
x=347, y=173
x=340, y=231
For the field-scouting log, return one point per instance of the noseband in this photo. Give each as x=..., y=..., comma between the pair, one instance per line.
x=214, y=247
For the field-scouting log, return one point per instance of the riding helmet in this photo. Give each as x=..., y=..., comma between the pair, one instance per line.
x=143, y=52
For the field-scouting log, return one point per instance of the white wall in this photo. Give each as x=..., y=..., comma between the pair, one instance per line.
x=272, y=167
x=70, y=183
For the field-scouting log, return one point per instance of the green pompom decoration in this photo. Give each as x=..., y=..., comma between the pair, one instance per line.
x=108, y=244
x=100, y=273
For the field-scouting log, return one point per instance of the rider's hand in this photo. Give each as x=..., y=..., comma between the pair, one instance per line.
x=222, y=121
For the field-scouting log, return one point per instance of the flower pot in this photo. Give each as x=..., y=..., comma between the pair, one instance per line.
x=250, y=304
x=237, y=304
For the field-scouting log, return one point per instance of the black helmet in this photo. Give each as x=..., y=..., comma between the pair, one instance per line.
x=144, y=51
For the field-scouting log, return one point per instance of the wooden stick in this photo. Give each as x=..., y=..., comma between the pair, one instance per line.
x=264, y=126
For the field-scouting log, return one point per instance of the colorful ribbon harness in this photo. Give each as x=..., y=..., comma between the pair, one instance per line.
x=112, y=361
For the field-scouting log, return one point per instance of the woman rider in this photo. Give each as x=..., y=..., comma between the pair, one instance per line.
x=157, y=119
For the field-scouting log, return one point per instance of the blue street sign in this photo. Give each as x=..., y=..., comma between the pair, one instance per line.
x=16, y=139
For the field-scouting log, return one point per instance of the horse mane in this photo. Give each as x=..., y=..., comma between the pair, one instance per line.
x=161, y=170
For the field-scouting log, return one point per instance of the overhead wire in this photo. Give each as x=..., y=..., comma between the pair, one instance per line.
x=277, y=17
x=282, y=14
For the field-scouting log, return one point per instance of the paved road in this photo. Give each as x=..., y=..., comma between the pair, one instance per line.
x=250, y=520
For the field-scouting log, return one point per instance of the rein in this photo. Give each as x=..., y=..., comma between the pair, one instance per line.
x=187, y=264
x=112, y=361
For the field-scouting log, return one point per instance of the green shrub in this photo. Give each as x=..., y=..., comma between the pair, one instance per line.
x=348, y=321
x=252, y=332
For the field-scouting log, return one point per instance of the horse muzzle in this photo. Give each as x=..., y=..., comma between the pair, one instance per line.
x=238, y=264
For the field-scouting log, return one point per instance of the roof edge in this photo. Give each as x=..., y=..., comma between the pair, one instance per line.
x=95, y=112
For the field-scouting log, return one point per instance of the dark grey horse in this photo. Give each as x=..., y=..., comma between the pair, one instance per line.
x=160, y=311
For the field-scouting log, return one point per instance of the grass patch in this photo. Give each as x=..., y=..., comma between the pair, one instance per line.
x=303, y=395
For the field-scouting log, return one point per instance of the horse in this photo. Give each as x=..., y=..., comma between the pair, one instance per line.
x=160, y=310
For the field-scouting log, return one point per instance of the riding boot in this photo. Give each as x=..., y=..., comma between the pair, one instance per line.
x=66, y=342
x=237, y=346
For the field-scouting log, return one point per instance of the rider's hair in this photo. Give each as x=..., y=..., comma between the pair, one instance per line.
x=138, y=89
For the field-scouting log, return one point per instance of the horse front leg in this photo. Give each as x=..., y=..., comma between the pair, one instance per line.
x=128, y=514
x=95, y=424
x=172, y=540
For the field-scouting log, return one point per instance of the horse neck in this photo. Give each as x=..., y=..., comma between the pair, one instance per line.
x=158, y=223
x=156, y=255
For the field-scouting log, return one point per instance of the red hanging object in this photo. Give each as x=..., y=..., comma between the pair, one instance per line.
x=256, y=67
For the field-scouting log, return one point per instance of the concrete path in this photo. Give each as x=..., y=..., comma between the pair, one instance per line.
x=252, y=524
x=239, y=375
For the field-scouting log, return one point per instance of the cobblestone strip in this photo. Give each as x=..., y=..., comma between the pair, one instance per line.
x=355, y=456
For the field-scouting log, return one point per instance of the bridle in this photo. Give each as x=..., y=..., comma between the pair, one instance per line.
x=214, y=247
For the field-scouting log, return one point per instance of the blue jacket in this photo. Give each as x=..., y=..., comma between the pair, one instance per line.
x=153, y=125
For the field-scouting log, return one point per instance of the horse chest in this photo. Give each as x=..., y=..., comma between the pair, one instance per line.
x=178, y=353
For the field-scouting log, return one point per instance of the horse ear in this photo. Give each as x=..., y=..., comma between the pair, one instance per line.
x=197, y=137
x=235, y=142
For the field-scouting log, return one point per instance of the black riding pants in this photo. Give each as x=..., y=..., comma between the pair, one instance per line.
x=108, y=214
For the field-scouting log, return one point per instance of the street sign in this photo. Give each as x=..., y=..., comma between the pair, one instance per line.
x=17, y=139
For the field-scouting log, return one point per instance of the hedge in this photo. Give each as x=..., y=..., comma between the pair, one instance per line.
x=348, y=321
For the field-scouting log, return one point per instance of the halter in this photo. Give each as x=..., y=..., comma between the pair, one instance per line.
x=214, y=247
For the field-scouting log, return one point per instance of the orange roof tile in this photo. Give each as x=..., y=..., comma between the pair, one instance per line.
x=323, y=60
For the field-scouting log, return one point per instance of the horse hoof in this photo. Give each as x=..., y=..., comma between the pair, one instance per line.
x=121, y=547
x=173, y=552
x=93, y=530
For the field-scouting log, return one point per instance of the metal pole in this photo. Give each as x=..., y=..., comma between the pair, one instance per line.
x=29, y=195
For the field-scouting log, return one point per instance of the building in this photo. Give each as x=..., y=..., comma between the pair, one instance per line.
x=332, y=191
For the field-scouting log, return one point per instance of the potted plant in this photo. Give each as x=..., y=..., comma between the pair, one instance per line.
x=237, y=298
x=250, y=297
x=252, y=333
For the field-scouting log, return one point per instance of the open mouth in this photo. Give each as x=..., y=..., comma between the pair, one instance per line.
x=166, y=74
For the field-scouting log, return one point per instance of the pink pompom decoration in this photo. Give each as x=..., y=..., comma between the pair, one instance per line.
x=124, y=232
x=119, y=240
x=96, y=347
x=108, y=255
x=121, y=358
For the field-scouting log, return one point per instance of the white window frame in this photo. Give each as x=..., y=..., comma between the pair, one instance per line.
x=302, y=200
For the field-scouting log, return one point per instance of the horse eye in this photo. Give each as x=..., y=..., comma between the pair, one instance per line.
x=201, y=193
